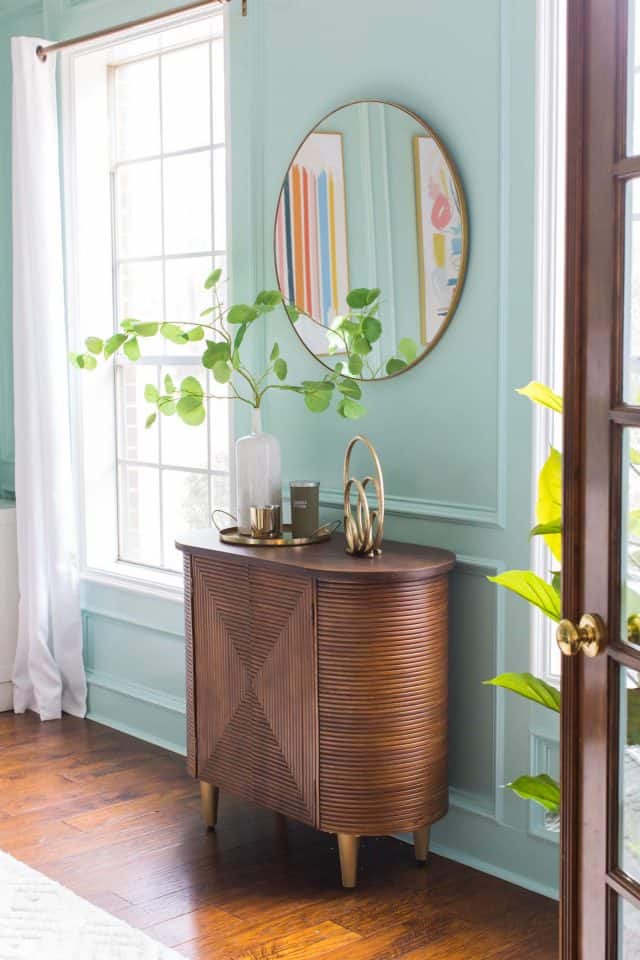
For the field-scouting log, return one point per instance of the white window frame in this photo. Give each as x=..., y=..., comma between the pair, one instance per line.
x=549, y=278
x=107, y=568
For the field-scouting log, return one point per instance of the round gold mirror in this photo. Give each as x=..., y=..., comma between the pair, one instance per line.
x=371, y=240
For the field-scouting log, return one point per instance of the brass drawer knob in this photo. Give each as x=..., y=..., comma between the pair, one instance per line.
x=589, y=637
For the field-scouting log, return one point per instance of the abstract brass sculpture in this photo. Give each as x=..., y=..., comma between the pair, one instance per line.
x=364, y=531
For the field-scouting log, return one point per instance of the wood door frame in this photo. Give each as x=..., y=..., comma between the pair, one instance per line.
x=597, y=171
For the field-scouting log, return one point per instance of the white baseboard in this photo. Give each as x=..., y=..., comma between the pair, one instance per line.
x=6, y=696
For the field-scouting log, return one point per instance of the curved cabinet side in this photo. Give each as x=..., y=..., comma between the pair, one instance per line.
x=382, y=705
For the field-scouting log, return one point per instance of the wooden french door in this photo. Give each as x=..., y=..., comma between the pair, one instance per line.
x=600, y=882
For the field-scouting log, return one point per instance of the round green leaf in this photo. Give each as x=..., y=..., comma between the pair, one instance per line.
x=351, y=409
x=372, y=329
x=169, y=385
x=213, y=279
x=132, y=349
x=280, y=369
x=196, y=333
x=317, y=401
x=167, y=406
x=146, y=329
x=94, y=345
x=191, y=411
x=114, y=343
x=242, y=313
x=349, y=388
x=222, y=371
x=151, y=394
x=268, y=300
x=240, y=335
x=172, y=332
x=355, y=365
x=89, y=361
x=361, y=345
x=395, y=365
x=151, y=419
x=275, y=352
x=372, y=295
x=408, y=348
x=192, y=388
x=357, y=299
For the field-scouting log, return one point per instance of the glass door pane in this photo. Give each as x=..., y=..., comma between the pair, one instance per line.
x=629, y=767
x=628, y=931
x=633, y=79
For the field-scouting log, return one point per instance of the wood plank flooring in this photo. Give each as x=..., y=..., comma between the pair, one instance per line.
x=118, y=822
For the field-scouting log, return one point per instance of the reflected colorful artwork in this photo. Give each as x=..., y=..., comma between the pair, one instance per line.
x=311, y=234
x=440, y=239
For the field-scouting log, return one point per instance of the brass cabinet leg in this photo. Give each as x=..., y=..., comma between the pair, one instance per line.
x=421, y=843
x=348, y=848
x=209, y=803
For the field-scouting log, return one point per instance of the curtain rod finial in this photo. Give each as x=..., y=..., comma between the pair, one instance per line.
x=40, y=53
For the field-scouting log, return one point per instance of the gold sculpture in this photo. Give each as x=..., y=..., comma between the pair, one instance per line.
x=364, y=531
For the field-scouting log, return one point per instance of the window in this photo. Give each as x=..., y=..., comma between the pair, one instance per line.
x=145, y=160
x=550, y=262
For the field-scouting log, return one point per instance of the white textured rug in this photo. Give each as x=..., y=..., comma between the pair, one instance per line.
x=40, y=920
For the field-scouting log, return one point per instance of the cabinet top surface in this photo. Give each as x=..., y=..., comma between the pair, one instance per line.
x=399, y=561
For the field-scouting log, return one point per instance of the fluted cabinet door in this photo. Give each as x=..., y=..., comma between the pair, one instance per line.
x=284, y=751
x=382, y=704
x=254, y=676
x=222, y=674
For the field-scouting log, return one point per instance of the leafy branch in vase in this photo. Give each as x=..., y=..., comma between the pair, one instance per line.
x=222, y=331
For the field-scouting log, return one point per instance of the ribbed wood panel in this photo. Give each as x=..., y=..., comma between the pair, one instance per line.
x=284, y=750
x=192, y=763
x=255, y=663
x=223, y=664
x=382, y=704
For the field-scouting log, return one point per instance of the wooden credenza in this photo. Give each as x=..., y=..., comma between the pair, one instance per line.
x=317, y=684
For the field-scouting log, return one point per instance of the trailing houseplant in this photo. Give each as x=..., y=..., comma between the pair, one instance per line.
x=222, y=332
x=546, y=596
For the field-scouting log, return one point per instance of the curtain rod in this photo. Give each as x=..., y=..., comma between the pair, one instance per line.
x=41, y=52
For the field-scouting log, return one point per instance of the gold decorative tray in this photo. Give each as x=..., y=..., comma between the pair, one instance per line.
x=231, y=535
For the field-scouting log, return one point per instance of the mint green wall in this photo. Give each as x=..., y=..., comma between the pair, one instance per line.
x=454, y=439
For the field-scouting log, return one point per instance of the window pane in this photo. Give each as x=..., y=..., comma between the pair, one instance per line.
x=185, y=501
x=630, y=539
x=183, y=445
x=137, y=90
x=628, y=931
x=221, y=497
x=186, y=108
x=139, y=514
x=632, y=296
x=140, y=291
x=219, y=428
x=187, y=199
x=135, y=442
x=629, y=789
x=217, y=53
x=633, y=83
x=220, y=200
x=138, y=210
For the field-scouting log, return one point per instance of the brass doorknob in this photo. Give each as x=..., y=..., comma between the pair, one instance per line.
x=589, y=637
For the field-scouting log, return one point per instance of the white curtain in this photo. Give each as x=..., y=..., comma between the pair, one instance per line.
x=48, y=673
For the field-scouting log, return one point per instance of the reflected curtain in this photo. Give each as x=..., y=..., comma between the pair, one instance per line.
x=48, y=673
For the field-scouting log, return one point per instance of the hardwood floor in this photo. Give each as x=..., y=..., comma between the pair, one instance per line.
x=118, y=822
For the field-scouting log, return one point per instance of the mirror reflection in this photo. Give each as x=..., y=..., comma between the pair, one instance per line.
x=371, y=239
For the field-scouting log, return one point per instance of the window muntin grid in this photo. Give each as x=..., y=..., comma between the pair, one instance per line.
x=168, y=185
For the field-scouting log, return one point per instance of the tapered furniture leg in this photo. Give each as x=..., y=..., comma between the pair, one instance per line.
x=421, y=843
x=348, y=847
x=209, y=796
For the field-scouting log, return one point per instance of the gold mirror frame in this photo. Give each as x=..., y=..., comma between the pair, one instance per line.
x=464, y=217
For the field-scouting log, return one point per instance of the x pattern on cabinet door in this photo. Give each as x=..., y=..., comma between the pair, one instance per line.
x=258, y=737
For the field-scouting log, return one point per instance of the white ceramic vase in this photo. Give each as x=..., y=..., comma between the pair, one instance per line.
x=258, y=472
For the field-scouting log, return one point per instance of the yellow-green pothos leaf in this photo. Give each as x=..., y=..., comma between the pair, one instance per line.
x=531, y=588
x=543, y=395
x=549, y=505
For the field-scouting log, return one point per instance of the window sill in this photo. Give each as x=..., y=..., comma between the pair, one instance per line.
x=134, y=579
